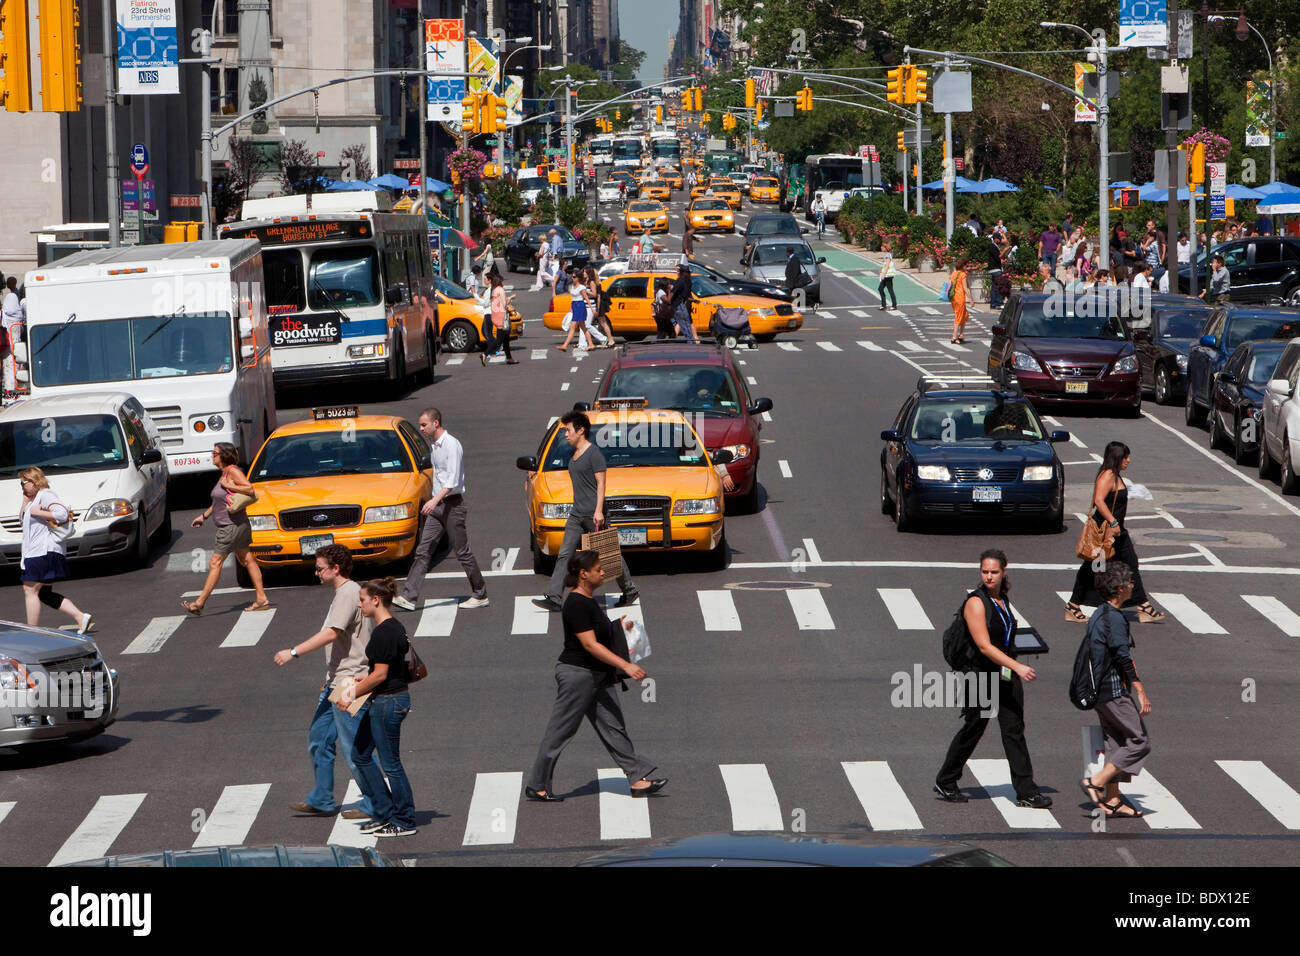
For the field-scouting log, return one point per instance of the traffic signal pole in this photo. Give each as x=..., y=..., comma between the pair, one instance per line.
x=113, y=194
x=920, y=171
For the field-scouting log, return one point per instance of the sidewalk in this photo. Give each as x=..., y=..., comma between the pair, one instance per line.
x=912, y=286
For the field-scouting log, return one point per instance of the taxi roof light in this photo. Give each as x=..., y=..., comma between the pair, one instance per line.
x=331, y=412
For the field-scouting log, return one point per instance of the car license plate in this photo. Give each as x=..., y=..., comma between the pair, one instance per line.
x=632, y=536
x=313, y=543
x=1076, y=388
x=986, y=493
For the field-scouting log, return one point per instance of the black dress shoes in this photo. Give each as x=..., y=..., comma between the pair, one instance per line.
x=548, y=797
x=952, y=795
x=655, y=787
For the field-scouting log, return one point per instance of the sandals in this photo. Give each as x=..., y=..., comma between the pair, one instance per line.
x=259, y=606
x=1147, y=614
x=1074, y=614
x=1112, y=809
x=195, y=609
x=1088, y=788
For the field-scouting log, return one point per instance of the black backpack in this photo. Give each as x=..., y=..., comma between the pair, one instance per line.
x=1083, y=682
x=959, y=650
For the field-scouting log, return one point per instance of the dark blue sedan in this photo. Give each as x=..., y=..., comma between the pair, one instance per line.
x=961, y=447
x=1236, y=402
x=1227, y=327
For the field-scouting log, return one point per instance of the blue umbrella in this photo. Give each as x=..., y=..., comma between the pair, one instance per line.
x=437, y=185
x=348, y=185
x=996, y=186
x=959, y=184
x=1281, y=203
x=1276, y=187
x=390, y=181
x=1237, y=191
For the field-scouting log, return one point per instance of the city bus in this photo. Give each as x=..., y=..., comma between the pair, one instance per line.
x=832, y=175
x=664, y=148
x=601, y=149
x=627, y=151
x=182, y=327
x=723, y=162
x=349, y=288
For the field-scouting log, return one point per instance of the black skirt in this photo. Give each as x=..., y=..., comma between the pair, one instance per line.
x=47, y=567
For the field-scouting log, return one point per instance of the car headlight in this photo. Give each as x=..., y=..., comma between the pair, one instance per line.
x=390, y=512
x=697, y=506
x=216, y=423
x=13, y=676
x=1125, y=366
x=1038, y=473
x=262, y=522
x=762, y=312
x=1024, y=362
x=557, y=510
x=108, y=508
x=737, y=451
x=933, y=473
x=1182, y=363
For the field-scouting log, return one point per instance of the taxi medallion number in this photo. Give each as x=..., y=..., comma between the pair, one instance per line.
x=632, y=536
x=986, y=493
x=310, y=544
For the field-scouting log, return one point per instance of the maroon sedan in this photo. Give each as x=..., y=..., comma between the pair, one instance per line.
x=1069, y=349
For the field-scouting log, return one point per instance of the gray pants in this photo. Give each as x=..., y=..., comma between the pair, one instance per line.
x=448, y=518
x=574, y=528
x=582, y=692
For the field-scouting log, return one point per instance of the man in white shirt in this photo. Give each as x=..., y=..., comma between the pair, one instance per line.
x=1140, y=278
x=444, y=513
x=1184, y=248
x=557, y=246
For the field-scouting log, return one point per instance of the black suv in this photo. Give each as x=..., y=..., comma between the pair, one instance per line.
x=522, y=249
x=764, y=224
x=1261, y=268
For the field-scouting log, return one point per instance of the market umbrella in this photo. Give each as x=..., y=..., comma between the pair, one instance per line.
x=1276, y=187
x=1281, y=203
x=959, y=184
x=390, y=181
x=437, y=185
x=349, y=185
x=1238, y=191
x=996, y=186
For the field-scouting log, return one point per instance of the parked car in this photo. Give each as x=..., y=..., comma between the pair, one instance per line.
x=1226, y=328
x=522, y=249
x=761, y=225
x=1260, y=267
x=766, y=259
x=1279, y=439
x=55, y=687
x=1237, y=397
x=738, y=286
x=608, y=192
x=1162, y=346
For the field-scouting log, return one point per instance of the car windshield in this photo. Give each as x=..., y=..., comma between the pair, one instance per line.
x=333, y=451
x=67, y=443
x=684, y=388
x=1252, y=328
x=450, y=289
x=631, y=444
x=976, y=419
x=343, y=277
x=1082, y=318
x=770, y=255
x=1182, y=325
x=119, y=350
x=705, y=287
x=1262, y=364
x=529, y=183
x=710, y=204
x=775, y=226
x=645, y=207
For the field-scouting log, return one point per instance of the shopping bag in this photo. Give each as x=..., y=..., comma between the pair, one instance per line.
x=1094, y=750
x=638, y=643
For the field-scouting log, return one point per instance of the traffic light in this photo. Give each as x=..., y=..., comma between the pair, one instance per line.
x=686, y=101
x=618, y=114
x=659, y=114
x=916, y=85
x=1128, y=198
x=749, y=94
x=491, y=171
x=699, y=99
x=60, y=56
x=901, y=147
x=896, y=87
x=1196, y=164
x=469, y=114
x=16, y=85
x=758, y=112
x=707, y=118
x=803, y=99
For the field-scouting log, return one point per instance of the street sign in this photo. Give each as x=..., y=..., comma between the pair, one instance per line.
x=406, y=163
x=320, y=154
x=139, y=160
x=961, y=162
x=131, y=195
x=186, y=200
x=444, y=52
x=1218, y=207
x=555, y=152
x=1142, y=23
x=909, y=137
x=147, y=199
x=952, y=92
x=1218, y=179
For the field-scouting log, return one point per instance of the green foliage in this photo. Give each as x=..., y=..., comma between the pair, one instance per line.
x=920, y=227
x=503, y=200
x=629, y=60
x=572, y=210
x=965, y=244
x=544, y=208
x=1025, y=260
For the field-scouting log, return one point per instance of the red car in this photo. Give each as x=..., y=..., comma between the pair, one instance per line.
x=701, y=381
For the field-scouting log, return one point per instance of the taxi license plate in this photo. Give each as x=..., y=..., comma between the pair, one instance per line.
x=1076, y=388
x=986, y=493
x=313, y=543
x=631, y=536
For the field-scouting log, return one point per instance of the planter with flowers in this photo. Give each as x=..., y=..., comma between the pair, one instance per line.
x=467, y=167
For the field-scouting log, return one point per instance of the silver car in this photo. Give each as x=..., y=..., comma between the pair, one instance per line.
x=766, y=260
x=55, y=687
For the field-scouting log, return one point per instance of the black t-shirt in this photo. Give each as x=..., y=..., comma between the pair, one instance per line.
x=388, y=645
x=580, y=614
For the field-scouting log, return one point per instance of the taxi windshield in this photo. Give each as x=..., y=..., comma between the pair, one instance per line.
x=976, y=419
x=683, y=388
x=635, y=444
x=645, y=207
x=339, y=450
x=710, y=204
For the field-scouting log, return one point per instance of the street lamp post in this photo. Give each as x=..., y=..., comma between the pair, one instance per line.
x=1272, y=94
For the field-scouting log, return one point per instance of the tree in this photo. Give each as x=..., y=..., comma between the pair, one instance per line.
x=291, y=158
x=627, y=62
x=248, y=164
x=355, y=156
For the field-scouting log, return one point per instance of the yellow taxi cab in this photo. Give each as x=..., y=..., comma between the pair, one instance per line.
x=700, y=188
x=662, y=492
x=764, y=189
x=339, y=477
x=711, y=214
x=623, y=176
x=645, y=215
x=724, y=188
x=672, y=177
x=632, y=297
x=460, y=320
x=654, y=189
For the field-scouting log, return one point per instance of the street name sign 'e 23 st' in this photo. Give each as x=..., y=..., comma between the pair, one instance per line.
x=148, y=53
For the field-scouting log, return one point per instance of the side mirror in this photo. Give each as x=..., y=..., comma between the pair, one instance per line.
x=999, y=330
x=1059, y=436
x=1280, y=387
x=1208, y=341
x=425, y=462
x=891, y=434
x=760, y=406
x=723, y=457
x=526, y=463
x=151, y=457
x=582, y=406
x=821, y=259
x=1227, y=378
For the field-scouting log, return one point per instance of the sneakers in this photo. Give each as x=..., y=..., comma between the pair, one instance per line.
x=372, y=826
x=952, y=795
x=392, y=830
x=85, y=623
x=403, y=603
x=473, y=602
x=546, y=604
x=1035, y=801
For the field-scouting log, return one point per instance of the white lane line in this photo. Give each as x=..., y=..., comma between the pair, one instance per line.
x=1188, y=613
x=860, y=313
x=1273, y=793
x=871, y=346
x=751, y=380
x=538, y=354
x=456, y=360
x=1076, y=441
x=1208, y=555
x=788, y=346
x=96, y=833
x=754, y=805
x=250, y=627
x=564, y=386
x=767, y=416
x=883, y=800
x=823, y=314
x=622, y=816
x=493, y=809
x=930, y=310
x=810, y=547
x=1160, y=808
x=5, y=808
x=912, y=346
x=233, y=816
x=785, y=468
x=719, y=610
x=1162, y=513
x=573, y=369
x=437, y=618
x=829, y=346
x=529, y=618
x=905, y=609
x=634, y=611
x=995, y=777
x=1277, y=612
x=348, y=832
x=154, y=635
x=183, y=561
x=810, y=609
x=954, y=346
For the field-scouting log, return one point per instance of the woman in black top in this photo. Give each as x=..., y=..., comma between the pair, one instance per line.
x=389, y=703
x=1110, y=501
x=584, y=677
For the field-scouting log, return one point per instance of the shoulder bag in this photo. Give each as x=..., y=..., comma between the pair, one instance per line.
x=60, y=532
x=1094, y=541
x=415, y=669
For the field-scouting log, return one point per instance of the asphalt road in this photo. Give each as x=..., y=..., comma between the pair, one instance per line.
x=772, y=698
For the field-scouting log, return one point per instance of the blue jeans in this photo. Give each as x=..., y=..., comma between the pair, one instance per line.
x=382, y=733
x=682, y=319
x=821, y=223
x=1050, y=259
x=328, y=725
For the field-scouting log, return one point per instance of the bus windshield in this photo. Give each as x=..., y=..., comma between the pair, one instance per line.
x=666, y=149
x=627, y=149
x=601, y=146
x=120, y=350
x=282, y=271
x=836, y=176
x=343, y=276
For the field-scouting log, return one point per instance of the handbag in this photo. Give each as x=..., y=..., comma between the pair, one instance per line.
x=60, y=532
x=415, y=669
x=1094, y=541
x=605, y=543
x=237, y=502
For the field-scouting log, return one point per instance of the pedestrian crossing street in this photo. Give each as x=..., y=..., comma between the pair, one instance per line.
x=869, y=791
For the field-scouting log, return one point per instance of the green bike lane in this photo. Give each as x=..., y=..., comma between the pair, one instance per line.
x=866, y=273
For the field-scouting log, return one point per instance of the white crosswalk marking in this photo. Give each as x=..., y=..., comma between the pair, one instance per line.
x=871, y=346
x=810, y=609
x=884, y=801
x=751, y=380
x=456, y=360
x=233, y=816
x=767, y=416
x=248, y=630
x=632, y=611
x=829, y=346
x=154, y=635
x=96, y=833
x=1085, y=608
x=1160, y=808
x=529, y=618
x=1188, y=613
x=622, y=816
x=348, y=832
x=1273, y=793
x=754, y=805
x=954, y=346
x=826, y=315
x=860, y=313
x=912, y=346
x=564, y=386
x=905, y=609
x=5, y=808
x=785, y=468
x=788, y=346
x=995, y=777
x=538, y=354
x=1277, y=612
x=493, y=809
x=719, y=610
x=183, y=561
x=437, y=618
x=930, y=310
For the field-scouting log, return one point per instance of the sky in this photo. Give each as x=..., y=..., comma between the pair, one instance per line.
x=645, y=24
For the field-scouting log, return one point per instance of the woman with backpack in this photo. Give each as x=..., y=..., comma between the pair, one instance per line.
x=1127, y=746
x=43, y=557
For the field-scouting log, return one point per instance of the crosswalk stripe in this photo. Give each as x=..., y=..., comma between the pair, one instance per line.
x=493, y=809
x=905, y=609
x=767, y=416
x=101, y=826
x=1160, y=808
x=785, y=468
x=1273, y=793
x=538, y=354
x=754, y=805
x=632, y=611
x=529, y=618
x=5, y=808
x=154, y=635
x=751, y=380
x=788, y=346
x=1277, y=612
x=829, y=346
x=233, y=816
x=995, y=777
x=826, y=315
x=912, y=346
x=348, y=832
x=871, y=346
x=930, y=310
x=564, y=386
x=860, y=313
x=810, y=609
x=622, y=816
x=883, y=800
x=250, y=627
x=181, y=561
x=1085, y=608
x=456, y=360
x=954, y=346
x=437, y=619
x=1188, y=614
x=719, y=610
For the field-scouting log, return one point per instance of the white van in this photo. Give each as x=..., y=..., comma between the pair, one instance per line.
x=102, y=455
x=182, y=327
x=531, y=184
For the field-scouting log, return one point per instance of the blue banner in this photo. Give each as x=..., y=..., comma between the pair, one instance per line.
x=148, y=53
x=1143, y=23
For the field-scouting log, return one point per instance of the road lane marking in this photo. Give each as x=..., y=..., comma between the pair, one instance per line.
x=912, y=346
x=883, y=800
x=719, y=610
x=155, y=634
x=930, y=310
x=1188, y=613
x=1076, y=441
x=788, y=346
x=871, y=346
x=493, y=809
x=456, y=360
x=995, y=777
x=785, y=468
x=564, y=386
x=529, y=618
x=1160, y=808
x=810, y=609
x=622, y=816
x=5, y=808
x=1085, y=608
x=248, y=630
x=538, y=354
x=822, y=313
x=348, y=832
x=828, y=346
x=810, y=548
x=767, y=416
x=751, y=380
x=860, y=313
x=954, y=346
x=233, y=816
x=437, y=618
x=1277, y=612
x=905, y=609
x=101, y=826
x=754, y=805
x=1273, y=793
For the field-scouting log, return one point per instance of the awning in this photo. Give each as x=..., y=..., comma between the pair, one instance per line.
x=455, y=239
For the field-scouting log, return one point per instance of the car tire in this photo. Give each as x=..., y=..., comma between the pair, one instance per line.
x=397, y=386
x=460, y=336
x=1216, y=430
x=163, y=536
x=903, y=520
x=1191, y=413
x=716, y=560
x=1162, y=389
x=511, y=265
x=1135, y=411
x=140, y=548
x=886, y=503
x=1287, y=477
x=748, y=504
x=1264, y=466
x=542, y=563
x=427, y=376
x=766, y=337
x=1293, y=297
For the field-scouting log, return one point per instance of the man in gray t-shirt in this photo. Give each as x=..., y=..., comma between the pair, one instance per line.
x=587, y=475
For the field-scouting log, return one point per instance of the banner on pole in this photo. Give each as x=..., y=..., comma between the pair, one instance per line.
x=1259, y=131
x=444, y=52
x=482, y=53
x=514, y=100
x=1085, y=111
x=1143, y=23
x=148, y=54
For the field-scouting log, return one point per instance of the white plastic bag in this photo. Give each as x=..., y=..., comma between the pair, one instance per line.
x=638, y=643
x=1094, y=750
x=1138, y=491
